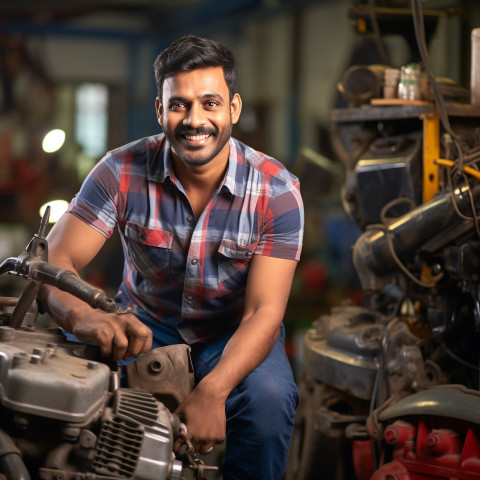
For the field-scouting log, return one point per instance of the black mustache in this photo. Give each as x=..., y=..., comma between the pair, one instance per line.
x=195, y=131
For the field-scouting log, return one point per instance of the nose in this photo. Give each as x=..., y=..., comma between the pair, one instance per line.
x=195, y=117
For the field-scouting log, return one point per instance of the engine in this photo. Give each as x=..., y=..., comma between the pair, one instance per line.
x=62, y=420
x=66, y=413
x=390, y=389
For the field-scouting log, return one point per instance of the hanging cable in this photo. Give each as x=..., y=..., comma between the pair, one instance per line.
x=458, y=167
x=376, y=33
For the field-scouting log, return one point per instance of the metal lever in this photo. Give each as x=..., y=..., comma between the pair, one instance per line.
x=33, y=265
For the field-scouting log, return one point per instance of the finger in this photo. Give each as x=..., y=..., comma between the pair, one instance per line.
x=105, y=342
x=206, y=449
x=178, y=444
x=101, y=334
x=120, y=345
x=140, y=340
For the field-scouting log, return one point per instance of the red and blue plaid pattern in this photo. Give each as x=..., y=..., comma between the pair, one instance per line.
x=186, y=272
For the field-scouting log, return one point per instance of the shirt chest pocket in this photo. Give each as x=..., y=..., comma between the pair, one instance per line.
x=234, y=261
x=149, y=249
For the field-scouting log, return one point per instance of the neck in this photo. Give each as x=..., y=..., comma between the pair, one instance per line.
x=200, y=182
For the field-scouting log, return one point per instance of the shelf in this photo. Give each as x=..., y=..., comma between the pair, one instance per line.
x=392, y=109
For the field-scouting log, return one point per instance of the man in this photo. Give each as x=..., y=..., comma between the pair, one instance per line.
x=211, y=232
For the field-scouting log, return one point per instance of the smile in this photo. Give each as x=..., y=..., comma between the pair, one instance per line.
x=196, y=138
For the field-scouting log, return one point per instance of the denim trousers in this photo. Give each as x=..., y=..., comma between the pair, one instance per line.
x=260, y=411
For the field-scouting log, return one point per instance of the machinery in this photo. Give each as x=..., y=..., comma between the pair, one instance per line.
x=391, y=389
x=63, y=413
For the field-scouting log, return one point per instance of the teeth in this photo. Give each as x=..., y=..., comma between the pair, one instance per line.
x=196, y=138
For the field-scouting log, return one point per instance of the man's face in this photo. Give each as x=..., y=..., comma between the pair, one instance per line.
x=196, y=114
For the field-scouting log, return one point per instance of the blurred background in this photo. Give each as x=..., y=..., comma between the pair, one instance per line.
x=84, y=67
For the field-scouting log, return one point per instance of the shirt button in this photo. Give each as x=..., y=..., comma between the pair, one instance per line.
x=248, y=254
x=190, y=218
x=143, y=236
x=189, y=297
x=194, y=261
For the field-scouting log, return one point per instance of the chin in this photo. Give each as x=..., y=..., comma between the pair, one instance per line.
x=195, y=158
x=195, y=162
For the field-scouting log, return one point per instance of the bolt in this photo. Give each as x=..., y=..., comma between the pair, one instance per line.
x=71, y=433
x=87, y=439
x=19, y=359
x=154, y=367
x=35, y=359
x=7, y=334
x=391, y=435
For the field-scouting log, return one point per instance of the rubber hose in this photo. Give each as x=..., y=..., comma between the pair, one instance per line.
x=11, y=463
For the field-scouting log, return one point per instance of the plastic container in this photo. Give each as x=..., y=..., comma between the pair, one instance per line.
x=475, y=68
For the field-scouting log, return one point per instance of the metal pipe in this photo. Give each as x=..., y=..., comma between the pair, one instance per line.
x=11, y=461
x=372, y=252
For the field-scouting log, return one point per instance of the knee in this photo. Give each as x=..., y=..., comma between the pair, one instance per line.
x=268, y=403
x=275, y=393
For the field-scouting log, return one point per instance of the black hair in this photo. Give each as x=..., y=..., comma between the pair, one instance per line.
x=191, y=52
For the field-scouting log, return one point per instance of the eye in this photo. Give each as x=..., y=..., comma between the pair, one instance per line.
x=211, y=104
x=177, y=106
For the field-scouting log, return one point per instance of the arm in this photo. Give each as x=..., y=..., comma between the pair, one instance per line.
x=72, y=245
x=204, y=409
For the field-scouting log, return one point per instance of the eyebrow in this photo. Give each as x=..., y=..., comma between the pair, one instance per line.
x=203, y=97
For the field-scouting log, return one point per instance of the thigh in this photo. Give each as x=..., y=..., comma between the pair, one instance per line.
x=163, y=335
x=268, y=390
x=275, y=369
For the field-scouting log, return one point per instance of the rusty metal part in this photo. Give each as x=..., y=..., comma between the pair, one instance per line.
x=166, y=372
x=194, y=463
x=8, y=301
x=123, y=311
x=32, y=264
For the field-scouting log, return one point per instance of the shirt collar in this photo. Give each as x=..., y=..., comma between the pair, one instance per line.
x=167, y=169
x=167, y=161
x=159, y=163
x=232, y=168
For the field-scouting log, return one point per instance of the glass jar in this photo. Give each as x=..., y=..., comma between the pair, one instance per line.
x=409, y=85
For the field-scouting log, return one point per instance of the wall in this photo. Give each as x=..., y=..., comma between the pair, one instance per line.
x=266, y=53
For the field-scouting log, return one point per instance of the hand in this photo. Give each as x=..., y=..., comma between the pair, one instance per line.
x=204, y=416
x=118, y=336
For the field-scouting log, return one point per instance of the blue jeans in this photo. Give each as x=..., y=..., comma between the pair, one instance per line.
x=260, y=411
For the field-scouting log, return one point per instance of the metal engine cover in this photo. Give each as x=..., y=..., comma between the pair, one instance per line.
x=342, y=350
x=387, y=171
x=40, y=377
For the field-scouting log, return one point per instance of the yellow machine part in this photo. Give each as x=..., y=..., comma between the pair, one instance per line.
x=431, y=152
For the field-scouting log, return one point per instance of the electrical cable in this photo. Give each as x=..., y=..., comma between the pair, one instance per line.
x=418, y=21
x=458, y=359
x=404, y=269
x=376, y=33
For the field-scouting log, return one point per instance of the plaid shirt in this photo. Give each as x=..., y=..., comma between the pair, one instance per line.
x=185, y=272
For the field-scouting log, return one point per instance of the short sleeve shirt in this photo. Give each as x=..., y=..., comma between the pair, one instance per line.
x=191, y=273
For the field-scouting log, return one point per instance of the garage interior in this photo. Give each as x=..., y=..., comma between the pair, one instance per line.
x=383, y=320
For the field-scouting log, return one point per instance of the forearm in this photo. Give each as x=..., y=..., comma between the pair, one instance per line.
x=119, y=336
x=248, y=347
x=65, y=309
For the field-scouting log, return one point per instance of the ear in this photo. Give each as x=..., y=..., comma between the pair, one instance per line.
x=159, y=110
x=235, y=108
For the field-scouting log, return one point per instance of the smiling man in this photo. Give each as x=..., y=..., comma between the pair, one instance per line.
x=211, y=231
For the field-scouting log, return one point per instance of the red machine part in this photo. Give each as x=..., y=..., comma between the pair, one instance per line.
x=431, y=448
x=362, y=459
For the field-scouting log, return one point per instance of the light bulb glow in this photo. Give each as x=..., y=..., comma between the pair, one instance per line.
x=53, y=140
x=57, y=209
